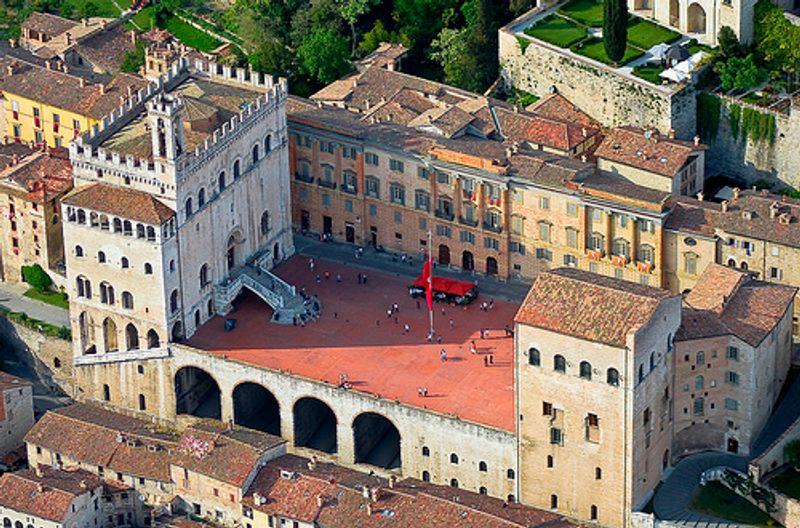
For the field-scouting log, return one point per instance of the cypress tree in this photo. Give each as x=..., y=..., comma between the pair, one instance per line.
x=615, y=28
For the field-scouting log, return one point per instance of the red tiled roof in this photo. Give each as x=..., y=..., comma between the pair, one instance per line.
x=749, y=216
x=40, y=175
x=47, y=495
x=49, y=25
x=106, y=50
x=659, y=154
x=589, y=306
x=556, y=106
x=127, y=203
x=541, y=130
x=693, y=216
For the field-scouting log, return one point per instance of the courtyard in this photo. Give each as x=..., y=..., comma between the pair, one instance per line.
x=355, y=337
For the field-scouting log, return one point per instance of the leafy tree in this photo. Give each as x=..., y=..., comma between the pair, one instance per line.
x=740, y=73
x=324, y=55
x=423, y=20
x=615, y=28
x=162, y=10
x=778, y=40
x=351, y=10
x=729, y=43
x=517, y=7
x=792, y=452
x=133, y=59
x=373, y=38
x=36, y=277
x=451, y=51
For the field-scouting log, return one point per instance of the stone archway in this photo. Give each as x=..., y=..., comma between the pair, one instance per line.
x=314, y=425
x=197, y=393
x=257, y=408
x=675, y=13
x=110, y=335
x=467, y=261
x=233, y=253
x=376, y=441
x=444, y=255
x=696, y=19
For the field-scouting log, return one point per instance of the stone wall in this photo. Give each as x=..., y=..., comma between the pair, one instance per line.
x=773, y=457
x=741, y=158
x=49, y=357
x=611, y=98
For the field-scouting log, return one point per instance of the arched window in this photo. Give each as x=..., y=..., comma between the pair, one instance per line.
x=593, y=513
x=81, y=216
x=482, y=466
x=151, y=234
x=426, y=451
x=172, y=265
x=101, y=257
x=426, y=477
x=201, y=198
x=621, y=247
x=559, y=363
x=84, y=287
x=255, y=154
x=652, y=360
x=148, y=268
x=586, y=370
x=264, y=223
x=641, y=373
x=106, y=293
x=534, y=357
x=221, y=181
x=173, y=301
x=598, y=473
x=699, y=382
x=139, y=231
x=510, y=474
x=700, y=358
x=188, y=207
x=483, y=491
x=549, y=461
x=127, y=228
x=612, y=377
x=453, y=458
x=237, y=171
x=197, y=318
x=127, y=300
x=453, y=483
x=124, y=263
x=553, y=502
x=210, y=307
x=267, y=144
x=131, y=335
x=78, y=251
x=55, y=219
x=104, y=223
x=117, y=225
x=153, y=340
x=93, y=221
x=142, y=403
x=731, y=262
x=743, y=265
x=204, y=275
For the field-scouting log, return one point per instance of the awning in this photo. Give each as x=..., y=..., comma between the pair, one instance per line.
x=445, y=285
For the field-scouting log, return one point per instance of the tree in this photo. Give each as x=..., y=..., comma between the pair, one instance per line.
x=792, y=452
x=36, y=277
x=517, y=7
x=134, y=59
x=350, y=11
x=162, y=10
x=451, y=51
x=729, y=43
x=615, y=28
x=324, y=55
x=373, y=38
x=739, y=73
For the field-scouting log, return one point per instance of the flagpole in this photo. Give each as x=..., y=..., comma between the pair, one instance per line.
x=430, y=277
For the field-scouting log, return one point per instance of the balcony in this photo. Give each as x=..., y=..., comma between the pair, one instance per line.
x=493, y=227
x=595, y=254
x=444, y=215
x=349, y=189
x=303, y=177
x=326, y=183
x=467, y=221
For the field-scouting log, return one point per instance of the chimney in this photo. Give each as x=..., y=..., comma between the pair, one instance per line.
x=12, y=43
x=366, y=104
x=392, y=481
x=102, y=89
x=133, y=37
x=700, y=196
x=584, y=158
x=697, y=141
x=47, y=64
x=68, y=36
x=85, y=22
x=130, y=90
x=736, y=192
x=10, y=70
x=671, y=133
x=82, y=82
x=724, y=206
x=369, y=510
x=38, y=470
x=374, y=494
x=82, y=484
x=320, y=501
x=774, y=208
x=355, y=82
x=516, y=109
x=509, y=152
x=584, y=132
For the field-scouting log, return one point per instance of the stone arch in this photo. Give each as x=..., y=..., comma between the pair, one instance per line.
x=264, y=223
x=177, y=331
x=86, y=332
x=233, y=256
x=376, y=441
x=153, y=341
x=491, y=266
x=110, y=335
x=314, y=425
x=131, y=337
x=467, y=260
x=255, y=154
x=675, y=13
x=197, y=393
x=256, y=407
x=696, y=19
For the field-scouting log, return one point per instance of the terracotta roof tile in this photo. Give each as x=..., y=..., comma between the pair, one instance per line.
x=127, y=203
x=46, y=495
x=589, y=306
x=49, y=25
x=659, y=154
x=693, y=216
x=749, y=216
x=556, y=106
x=40, y=175
x=106, y=50
x=541, y=130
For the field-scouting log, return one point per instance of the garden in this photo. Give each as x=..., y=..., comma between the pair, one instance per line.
x=576, y=26
x=717, y=500
x=193, y=37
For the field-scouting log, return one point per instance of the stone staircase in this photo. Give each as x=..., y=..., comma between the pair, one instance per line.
x=282, y=297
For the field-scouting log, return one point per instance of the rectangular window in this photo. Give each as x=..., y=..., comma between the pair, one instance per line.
x=326, y=200
x=544, y=254
x=398, y=217
x=644, y=279
x=572, y=237
x=732, y=378
x=76, y=125
x=775, y=273
x=775, y=250
x=732, y=353
x=443, y=231
x=690, y=263
x=371, y=159
x=373, y=187
x=518, y=225
x=373, y=210
x=623, y=220
x=443, y=177
x=731, y=404
x=699, y=406
x=348, y=206
x=570, y=260
x=555, y=436
x=544, y=231
x=396, y=165
x=467, y=237
x=422, y=200
x=593, y=267
x=516, y=247
x=303, y=194
x=491, y=243
x=349, y=152
x=423, y=223
x=516, y=196
x=423, y=173
x=544, y=202
x=397, y=194
x=572, y=209
x=619, y=274
x=547, y=409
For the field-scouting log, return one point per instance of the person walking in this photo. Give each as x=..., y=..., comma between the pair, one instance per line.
x=311, y=264
x=472, y=348
x=443, y=355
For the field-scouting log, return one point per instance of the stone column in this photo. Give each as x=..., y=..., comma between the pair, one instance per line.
x=634, y=238
x=607, y=219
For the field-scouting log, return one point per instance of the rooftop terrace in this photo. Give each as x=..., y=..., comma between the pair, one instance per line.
x=355, y=336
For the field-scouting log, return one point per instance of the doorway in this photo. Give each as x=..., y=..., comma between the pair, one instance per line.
x=467, y=261
x=327, y=225
x=733, y=445
x=491, y=266
x=350, y=233
x=444, y=255
x=305, y=221
x=373, y=233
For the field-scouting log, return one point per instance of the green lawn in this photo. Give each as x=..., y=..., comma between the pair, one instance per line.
x=649, y=72
x=595, y=49
x=645, y=34
x=717, y=500
x=557, y=31
x=143, y=18
x=107, y=8
x=787, y=483
x=589, y=12
x=190, y=35
x=55, y=298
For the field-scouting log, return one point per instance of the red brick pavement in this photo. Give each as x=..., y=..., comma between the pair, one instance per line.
x=379, y=359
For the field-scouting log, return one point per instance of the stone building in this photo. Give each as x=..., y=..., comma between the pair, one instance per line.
x=181, y=197
x=32, y=184
x=732, y=357
x=54, y=498
x=593, y=376
x=16, y=412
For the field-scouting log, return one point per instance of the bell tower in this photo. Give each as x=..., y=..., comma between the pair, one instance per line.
x=165, y=115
